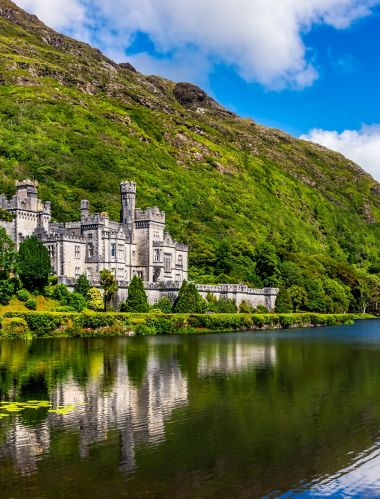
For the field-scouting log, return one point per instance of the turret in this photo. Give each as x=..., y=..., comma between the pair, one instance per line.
x=128, y=205
x=84, y=209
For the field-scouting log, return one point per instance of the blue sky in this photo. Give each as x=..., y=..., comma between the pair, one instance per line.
x=309, y=67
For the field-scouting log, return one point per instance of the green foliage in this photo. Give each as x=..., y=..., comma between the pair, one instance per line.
x=76, y=301
x=33, y=263
x=7, y=255
x=189, y=300
x=23, y=295
x=164, y=305
x=109, y=286
x=297, y=296
x=283, y=302
x=31, y=304
x=6, y=291
x=14, y=328
x=60, y=292
x=245, y=308
x=94, y=300
x=137, y=300
x=82, y=285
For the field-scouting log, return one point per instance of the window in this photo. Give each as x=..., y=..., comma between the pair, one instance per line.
x=77, y=272
x=167, y=263
x=120, y=274
x=90, y=250
x=113, y=249
x=77, y=252
x=120, y=251
x=178, y=277
x=180, y=260
x=157, y=255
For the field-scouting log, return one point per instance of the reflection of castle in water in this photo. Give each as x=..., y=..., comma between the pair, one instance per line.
x=137, y=411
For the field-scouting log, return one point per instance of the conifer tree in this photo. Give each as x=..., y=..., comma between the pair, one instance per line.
x=189, y=300
x=33, y=264
x=137, y=300
x=7, y=255
x=82, y=285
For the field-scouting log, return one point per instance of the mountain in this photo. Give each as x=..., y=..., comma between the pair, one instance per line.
x=254, y=204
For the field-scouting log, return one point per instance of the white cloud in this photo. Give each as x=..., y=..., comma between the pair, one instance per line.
x=361, y=146
x=261, y=39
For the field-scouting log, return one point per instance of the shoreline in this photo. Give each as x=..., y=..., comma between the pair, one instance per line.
x=31, y=324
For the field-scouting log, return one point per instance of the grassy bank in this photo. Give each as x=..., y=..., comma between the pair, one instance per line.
x=55, y=324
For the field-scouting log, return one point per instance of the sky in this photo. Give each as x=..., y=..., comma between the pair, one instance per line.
x=309, y=67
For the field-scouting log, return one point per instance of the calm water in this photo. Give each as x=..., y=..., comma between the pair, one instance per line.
x=238, y=415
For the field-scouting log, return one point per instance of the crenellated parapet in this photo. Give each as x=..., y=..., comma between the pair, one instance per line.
x=150, y=215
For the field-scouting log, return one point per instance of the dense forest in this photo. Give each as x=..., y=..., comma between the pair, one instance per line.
x=254, y=204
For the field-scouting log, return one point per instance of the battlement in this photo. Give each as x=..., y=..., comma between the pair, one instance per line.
x=150, y=215
x=128, y=187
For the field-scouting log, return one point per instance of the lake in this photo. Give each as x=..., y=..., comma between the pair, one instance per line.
x=285, y=413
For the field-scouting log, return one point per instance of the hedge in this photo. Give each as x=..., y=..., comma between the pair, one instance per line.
x=49, y=324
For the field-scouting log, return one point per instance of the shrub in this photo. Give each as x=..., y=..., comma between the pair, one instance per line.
x=76, y=301
x=95, y=300
x=261, y=309
x=164, y=305
x=160, y=324
x=6, y=291
x=137, y=300
x=65, y=308
x=23, y=295
x=95, y=321
x=144, y=330
x=189, y=300
x=61, y=293
x=246, y=308
x=82, y=285
x=31, y=304
x=14, y=327
x=42, y=324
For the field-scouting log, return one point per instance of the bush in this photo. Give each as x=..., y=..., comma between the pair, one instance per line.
x=43, y=324
x=31, y=304
x=14, y=327
x=76, y=301
x=95, y=300
x=189, y=300
x=6, y=291
x=33, y=264
x=160, y=324
x=164, y=305
x=95, y=321
x=261, y=309
x=137, y=300
x=144, y=330
x=23, y=295
x=61, y=293
x=246, y=308
x=82, y=285
x=65, y=308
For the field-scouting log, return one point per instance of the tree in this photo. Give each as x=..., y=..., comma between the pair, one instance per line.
x=297, y=296
x=137, y=300
x=33, y=264
x=94, y=300
x=283, y=302
x=109, y=286
x=82, y=285
x=7, y=255
x=189, y=300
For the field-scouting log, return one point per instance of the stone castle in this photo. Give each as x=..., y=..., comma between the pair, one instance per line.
x=136, y=245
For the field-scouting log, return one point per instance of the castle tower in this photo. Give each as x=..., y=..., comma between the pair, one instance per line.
x=84, y=209
x=128, y=205
x=26, y=190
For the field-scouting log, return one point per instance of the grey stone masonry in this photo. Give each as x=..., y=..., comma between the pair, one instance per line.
x=137, y=245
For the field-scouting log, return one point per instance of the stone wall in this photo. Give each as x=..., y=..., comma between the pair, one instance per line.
x=235, y=292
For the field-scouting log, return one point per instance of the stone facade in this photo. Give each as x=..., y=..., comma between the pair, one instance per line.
x=137, y=245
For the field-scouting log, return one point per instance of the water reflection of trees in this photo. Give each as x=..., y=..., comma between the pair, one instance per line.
x=240, y=411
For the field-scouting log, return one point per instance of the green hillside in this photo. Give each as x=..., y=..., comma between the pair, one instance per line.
x=253, y=203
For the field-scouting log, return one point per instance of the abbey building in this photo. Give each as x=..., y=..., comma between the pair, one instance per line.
x=137, y=245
